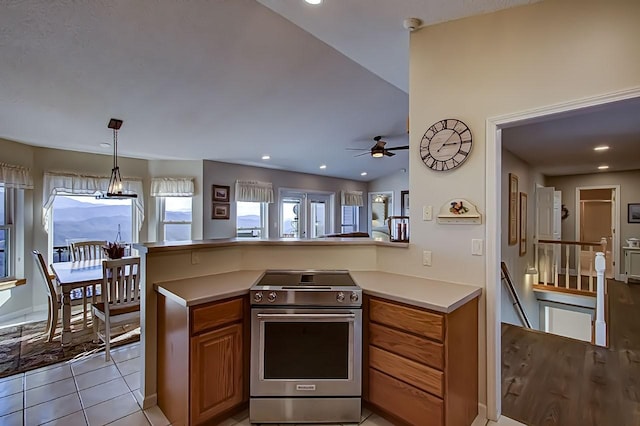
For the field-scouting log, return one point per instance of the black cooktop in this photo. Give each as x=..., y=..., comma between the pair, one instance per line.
x=306, y=278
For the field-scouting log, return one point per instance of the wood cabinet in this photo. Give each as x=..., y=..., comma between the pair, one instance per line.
x=202, y=365
x=421, y=367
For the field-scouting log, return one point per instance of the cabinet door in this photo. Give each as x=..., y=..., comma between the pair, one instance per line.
x=216, y=372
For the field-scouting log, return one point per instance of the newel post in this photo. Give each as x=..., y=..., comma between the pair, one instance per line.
x=601, y=326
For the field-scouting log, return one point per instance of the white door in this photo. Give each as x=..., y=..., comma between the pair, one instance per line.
x=548, y=225
x=305, y=214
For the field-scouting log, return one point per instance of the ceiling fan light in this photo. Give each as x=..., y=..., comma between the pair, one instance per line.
x=377, y=154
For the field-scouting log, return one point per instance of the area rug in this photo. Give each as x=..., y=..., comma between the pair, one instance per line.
x=24, y=347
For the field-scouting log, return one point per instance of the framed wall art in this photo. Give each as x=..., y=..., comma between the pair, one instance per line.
x=220, y=211
x=513, y=209
x=404, y=203
x=220, y=193
x=633, y=215
x=523, y=224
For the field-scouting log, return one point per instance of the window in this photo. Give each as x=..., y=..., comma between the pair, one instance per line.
x=175, y=218
x=11, y=233
x=83, y=217
x=251, y=219
x=350, y=219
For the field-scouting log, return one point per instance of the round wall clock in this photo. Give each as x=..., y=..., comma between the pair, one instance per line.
x=446, y=145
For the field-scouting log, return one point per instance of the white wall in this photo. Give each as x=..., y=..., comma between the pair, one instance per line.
x=527, y=180
x=226, y=174
x=515, y=60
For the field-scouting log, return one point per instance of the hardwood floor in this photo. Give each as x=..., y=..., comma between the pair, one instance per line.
x=552, y=380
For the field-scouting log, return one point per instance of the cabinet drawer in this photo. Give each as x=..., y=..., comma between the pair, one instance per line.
x=404, y=401
x=413, y=320
x=409, y=346
x=418, y=375
x=216, y=314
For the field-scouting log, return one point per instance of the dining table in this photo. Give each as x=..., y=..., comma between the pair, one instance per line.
x=76, y=275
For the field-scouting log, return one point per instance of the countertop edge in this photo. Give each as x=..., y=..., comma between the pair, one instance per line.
x=242, y=290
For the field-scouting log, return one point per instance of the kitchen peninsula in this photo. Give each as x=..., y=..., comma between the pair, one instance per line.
x=209, y=281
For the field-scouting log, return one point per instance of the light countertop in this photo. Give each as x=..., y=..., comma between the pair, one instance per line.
x=430, y=294
x=167, y=246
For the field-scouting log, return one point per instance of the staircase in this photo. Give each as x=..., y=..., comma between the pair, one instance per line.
x=571, y=277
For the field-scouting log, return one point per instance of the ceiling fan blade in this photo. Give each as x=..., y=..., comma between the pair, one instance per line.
x=388, y=154
x=395, y=148
x=364, y=153
x=357, y=149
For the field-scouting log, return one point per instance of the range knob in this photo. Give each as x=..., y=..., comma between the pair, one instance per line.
x=257, y=297
x=340, y=297
x=272, y=297
x=354, y=297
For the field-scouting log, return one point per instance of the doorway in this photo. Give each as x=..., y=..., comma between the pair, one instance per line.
x=305, y=214
x=493, y=148
x=598, y=219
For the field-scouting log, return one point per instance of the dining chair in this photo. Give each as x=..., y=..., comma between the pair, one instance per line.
x=87, y=250
x=52, y=294
x=120, y=298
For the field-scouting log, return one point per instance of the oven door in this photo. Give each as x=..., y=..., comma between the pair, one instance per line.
x=306, y=352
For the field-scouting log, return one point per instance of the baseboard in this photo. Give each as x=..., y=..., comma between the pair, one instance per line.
x=16, y=314
x=481, y=418
x=146, y=402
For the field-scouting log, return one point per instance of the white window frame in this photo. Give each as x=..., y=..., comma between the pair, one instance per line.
x=306, y=197
x=162, y=223
x=356, y=219
x=135, y=234
x=14, y=225
x=264, y=219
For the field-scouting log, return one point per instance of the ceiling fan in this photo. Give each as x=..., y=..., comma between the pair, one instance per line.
x=378, y=150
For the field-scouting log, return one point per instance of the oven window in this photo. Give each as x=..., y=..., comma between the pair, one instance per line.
x=295, y=350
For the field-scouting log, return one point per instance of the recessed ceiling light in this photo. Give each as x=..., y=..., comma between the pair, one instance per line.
x=105, y=145
x=324, y=166
x=363, y=174
x=601, y=148
x=603, y=167
x=313, y=1
x=266, y=157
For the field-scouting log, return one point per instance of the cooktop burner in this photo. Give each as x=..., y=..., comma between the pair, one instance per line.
x=309, y=287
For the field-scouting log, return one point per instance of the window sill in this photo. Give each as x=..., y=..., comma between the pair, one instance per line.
x=5, y=285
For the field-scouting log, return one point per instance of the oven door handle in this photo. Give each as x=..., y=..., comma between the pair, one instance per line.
x=310, y=316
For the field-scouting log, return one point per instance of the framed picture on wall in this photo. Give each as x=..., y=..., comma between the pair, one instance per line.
x=523, y=224
x=220, y=211
x=513, y=209
x=633, y=215
x=220, y=193
x=404, y=203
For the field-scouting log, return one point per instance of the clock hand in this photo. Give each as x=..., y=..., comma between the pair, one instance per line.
x=445, y=142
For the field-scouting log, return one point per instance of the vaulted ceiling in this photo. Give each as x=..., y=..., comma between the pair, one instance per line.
x=224, y=80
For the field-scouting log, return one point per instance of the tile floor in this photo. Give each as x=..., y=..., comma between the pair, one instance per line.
x=86, y=391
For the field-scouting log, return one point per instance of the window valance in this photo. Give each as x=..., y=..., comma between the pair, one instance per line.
x=252, y=190
x=72, y=184
x=172, y=187
x=352, y=198
x=15, y=176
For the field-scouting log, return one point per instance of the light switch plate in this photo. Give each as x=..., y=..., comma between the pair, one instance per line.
x=427, y=213
x=426, y=258
x=477, y=247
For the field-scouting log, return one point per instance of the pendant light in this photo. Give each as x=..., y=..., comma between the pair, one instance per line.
x=115, y=189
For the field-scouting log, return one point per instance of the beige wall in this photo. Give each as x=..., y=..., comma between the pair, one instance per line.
x=629, y=193
x=515, y=60
x=528, y=177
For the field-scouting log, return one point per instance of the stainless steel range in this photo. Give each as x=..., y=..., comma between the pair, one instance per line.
x=306, y=348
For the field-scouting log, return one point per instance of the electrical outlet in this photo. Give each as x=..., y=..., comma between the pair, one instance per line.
x=426, y=258
x=476, y=247
x=195, y=257
x=427, y=212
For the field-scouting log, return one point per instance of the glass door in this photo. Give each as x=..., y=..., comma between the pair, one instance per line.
x=305, y=214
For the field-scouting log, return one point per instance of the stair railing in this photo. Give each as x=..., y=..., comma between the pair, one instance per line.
x=550, y=261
